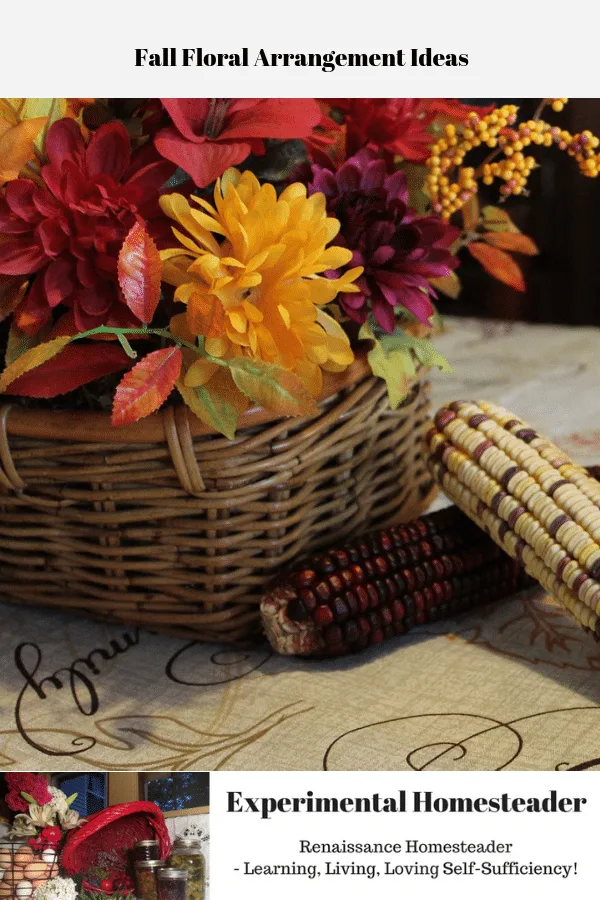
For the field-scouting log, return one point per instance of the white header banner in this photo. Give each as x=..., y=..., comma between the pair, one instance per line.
x=288, y=50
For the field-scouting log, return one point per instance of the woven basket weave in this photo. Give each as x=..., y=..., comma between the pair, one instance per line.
x=106, y=838
x=167, y=525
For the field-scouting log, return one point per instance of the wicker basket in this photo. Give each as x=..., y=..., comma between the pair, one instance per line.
x=167, y=525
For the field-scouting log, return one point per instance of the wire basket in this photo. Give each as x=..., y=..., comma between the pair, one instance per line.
x=23, y=869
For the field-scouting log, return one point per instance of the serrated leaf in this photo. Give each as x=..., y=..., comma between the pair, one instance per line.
x=496, y=219
x=272, y=387
x=394, y=358
x=396, y=367
x=146, y=387
x=31, y=359
x=218, y=404
x=449, y=285
x=78, y=364
x=510, y=240
x=140, y=269
x=499, y=264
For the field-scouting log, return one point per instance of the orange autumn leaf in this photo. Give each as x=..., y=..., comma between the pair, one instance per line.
x=509, y=240
x=140, y=269
x=499, y=264
x=206, y=316
x=448, y=284
x=146, y=387
x=471, y=213
x=12, y=290
x=272, y=387
x=31, y=359
x=16, y=146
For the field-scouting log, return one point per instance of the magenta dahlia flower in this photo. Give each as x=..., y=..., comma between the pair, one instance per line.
x=400, y=250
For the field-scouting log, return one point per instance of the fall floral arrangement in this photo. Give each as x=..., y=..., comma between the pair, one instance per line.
x=232, y=251
x=43, y=812
x=43, y=817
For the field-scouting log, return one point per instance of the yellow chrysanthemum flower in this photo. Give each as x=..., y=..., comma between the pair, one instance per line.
x=257, y=291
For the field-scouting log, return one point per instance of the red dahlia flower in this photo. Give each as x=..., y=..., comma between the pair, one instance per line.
x=397, y=127
x=210, y=135
x=67, y=233
x=399, y=250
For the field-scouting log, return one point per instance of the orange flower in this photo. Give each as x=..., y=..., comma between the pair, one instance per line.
x=259, y=292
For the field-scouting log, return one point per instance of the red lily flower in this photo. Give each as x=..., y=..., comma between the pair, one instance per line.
x=67, y=232
x=209, y=135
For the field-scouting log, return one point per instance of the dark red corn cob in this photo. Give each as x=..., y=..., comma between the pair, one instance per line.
x=352, y=596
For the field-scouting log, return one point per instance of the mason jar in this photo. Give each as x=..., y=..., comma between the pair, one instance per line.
x=143, y=850
x=172, y=884
x=145, y=878
x=186, y=853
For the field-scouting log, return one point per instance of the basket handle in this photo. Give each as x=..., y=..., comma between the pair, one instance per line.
x=179, y=439
x=10, y=480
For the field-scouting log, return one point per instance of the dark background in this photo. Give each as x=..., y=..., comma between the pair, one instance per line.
x=562, y=216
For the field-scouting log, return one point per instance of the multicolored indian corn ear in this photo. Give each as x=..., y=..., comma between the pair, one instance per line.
x=355, y=595
x=528, y=495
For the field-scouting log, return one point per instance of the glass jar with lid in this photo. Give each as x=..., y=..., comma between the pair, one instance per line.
x=145, y=878
x=145, y=850
x=172, y=884
x=186, y=853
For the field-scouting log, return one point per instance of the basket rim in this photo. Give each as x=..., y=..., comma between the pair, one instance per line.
x=94, y=426
x=104, y=817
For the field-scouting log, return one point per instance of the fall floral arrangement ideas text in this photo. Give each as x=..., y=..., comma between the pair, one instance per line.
x=229, y=252
x=329, y=61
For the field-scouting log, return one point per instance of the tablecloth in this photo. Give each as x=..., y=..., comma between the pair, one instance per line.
x=509, y=686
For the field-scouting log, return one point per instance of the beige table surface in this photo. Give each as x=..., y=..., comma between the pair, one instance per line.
x=512, y=686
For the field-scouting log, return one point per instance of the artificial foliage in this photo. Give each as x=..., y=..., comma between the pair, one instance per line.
x=229, y=253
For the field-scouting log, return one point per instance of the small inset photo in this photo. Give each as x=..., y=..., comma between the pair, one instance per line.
x=101, y=835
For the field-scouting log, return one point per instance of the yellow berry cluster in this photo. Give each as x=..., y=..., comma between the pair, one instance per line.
x=498, y=131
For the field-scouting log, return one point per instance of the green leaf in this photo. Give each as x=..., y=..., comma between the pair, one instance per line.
x=209, y=403
x=496, y=219
x=272, y=387
x=71, y=799
x=28, y=797
x=394, y=358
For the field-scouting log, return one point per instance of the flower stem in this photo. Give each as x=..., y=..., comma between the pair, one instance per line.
x=120, y=334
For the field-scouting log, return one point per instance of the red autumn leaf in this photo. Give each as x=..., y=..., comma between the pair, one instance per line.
x=77, y=364
x=508, y=240
x=140, y=269
x=499, y=264
x=146, y=387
